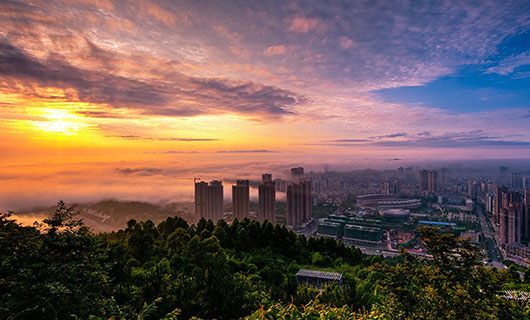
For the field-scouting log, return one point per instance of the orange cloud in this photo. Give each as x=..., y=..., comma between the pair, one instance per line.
x=102, y=4
x=158, y=13
x=275, y=50
x=232, y=37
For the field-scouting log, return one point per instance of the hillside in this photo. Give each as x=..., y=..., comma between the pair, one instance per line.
x=111, y=215
x=246, y=269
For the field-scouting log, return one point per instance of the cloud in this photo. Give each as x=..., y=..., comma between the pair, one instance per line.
x=102, y=114
x=305, y=25
x=151, y=69
x=246, y=151
x=135, y=137
x=346, y=42
x=275, y=50
x=466, y=139
x=139, y=171
x=176, y=151
x=248, y=97
x=187, y=139
x=393, y=135
x=452, y=143
x=349, y=140
x=178, y=95
x=90, y=86
x=173, y=152
x=510, y=64
x=158, y=13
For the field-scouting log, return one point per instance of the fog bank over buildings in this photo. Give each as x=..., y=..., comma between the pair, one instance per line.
x=162, y=182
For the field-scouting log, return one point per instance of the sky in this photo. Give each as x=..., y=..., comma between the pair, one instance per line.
x=132, y=99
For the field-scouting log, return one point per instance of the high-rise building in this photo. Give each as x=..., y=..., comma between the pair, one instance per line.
x=201, y=200
x=209, y=200
x=423, y=180
x=512, y=228
x=499, y=191
x=317, y=187
x=409, y=175
x=267, y=199
x=393, y=187
x=503, y=175
x=473, y=189
x=491, y=187
x=240, y=199
x=526, y=182
x=428, y=181
x=401, y=172
x=515, y=229
x=299, y=204
x=507, y=226
x=517, y=180
x=215, y=200
x=266, y=177
x=526, y=215
x=432, y=181
x=490, y=202
x=280, y=184
x=297, y=172
x=443, y=177
x=388, y=187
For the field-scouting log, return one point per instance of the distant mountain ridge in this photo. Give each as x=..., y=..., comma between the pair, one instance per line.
x=109, y=215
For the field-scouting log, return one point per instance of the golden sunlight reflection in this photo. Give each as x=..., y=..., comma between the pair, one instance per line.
x=59, y=122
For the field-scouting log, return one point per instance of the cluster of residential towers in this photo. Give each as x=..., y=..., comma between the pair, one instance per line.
x=209, y=199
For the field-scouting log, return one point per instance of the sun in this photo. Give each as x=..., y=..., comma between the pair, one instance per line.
x=59, y=122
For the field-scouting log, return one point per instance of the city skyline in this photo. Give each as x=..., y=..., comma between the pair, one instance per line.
x=266, y=159
x=122, y=100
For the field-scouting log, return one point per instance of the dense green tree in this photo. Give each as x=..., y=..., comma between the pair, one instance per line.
x=452, y=284
x=146, y=271
x=313, y=310
x=53, y=273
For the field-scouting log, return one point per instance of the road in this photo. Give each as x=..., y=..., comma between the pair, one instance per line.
x=489, y=239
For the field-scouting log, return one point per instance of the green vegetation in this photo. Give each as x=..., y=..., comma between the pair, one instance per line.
x=60, y=270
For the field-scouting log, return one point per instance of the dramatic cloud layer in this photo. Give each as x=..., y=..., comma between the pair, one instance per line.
x=198, y=85
x=179, y=96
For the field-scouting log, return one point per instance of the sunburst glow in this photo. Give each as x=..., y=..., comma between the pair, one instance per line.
x=60, y=122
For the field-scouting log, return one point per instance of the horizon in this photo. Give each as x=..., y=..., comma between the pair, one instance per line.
x=171, y=188
x=132, y=100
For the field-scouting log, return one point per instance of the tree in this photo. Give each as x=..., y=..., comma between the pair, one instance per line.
x=452, y=284
x=313, y=310
x=63, y=220
x=54, y=274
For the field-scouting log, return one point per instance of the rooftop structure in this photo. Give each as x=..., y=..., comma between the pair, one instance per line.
x=317, y=277
x=437, y=223
x=364, y=235
x=515, y=295
x=396, y=215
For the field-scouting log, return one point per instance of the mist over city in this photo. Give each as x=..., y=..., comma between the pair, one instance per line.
x=175, y=159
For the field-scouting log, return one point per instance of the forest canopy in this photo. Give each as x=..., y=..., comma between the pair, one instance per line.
x=59, y=269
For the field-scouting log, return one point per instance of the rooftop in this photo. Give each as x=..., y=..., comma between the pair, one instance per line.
x=437, y=223
x=319, y=274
